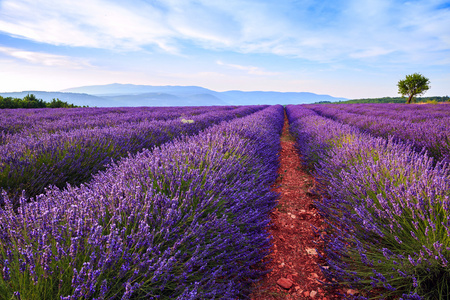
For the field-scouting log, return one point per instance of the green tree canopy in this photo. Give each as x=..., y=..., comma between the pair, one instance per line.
x=30, y=101
x=412, y=85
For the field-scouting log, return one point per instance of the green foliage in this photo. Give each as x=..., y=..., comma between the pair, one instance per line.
x=412, y=85
x=30, y=101
x=56, y=103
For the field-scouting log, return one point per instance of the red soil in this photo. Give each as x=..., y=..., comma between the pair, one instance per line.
x=294, y=261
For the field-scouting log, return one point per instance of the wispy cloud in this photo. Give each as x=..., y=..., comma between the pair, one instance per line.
x=330, y=42
x=45, y=59
x=370, y=52
x=248, y=69
x=86, y=23
x=322, y=31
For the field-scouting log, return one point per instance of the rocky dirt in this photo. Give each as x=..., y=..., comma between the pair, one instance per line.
x=294, y=259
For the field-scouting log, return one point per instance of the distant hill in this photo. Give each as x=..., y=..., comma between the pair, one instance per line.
x=116, y=95
x=235, y=97
x=116, y=89
x=163, y=99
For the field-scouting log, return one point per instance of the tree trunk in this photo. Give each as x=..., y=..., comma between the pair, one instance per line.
x=409, y=99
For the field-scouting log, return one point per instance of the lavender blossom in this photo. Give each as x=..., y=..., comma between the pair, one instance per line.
x=384, y=202
x=185, y=220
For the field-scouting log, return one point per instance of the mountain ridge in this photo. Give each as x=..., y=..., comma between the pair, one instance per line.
x=117, y=95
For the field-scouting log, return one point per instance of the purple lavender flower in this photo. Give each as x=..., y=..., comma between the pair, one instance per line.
x=380, y=196
x=183, y=220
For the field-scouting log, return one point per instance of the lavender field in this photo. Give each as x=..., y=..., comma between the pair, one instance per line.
x=423, y=126
x=136, y=204
x=383, y=176
x=57, y=147
x=174, y=203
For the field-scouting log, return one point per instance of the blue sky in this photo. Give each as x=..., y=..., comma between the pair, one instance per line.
x=344, y=48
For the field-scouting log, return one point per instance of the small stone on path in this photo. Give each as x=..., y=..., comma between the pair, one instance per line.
x=311, y=251
x=284, y=283
x=352, y=292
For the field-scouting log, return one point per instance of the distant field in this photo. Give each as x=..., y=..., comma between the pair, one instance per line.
x=173, y=202
x=436, y=99
x=383, y=175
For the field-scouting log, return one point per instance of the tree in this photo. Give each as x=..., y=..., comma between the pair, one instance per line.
x=56, y=103
x=414, y=84
x=30, y=101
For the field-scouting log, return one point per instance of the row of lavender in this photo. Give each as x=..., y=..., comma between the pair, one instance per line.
x=33, y=163
x=35, y=122
x=185, y=221
x=425, y=126
x=412, y=113
x=387, y=209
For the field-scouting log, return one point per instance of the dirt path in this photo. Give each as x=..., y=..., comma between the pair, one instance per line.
x=294, y=260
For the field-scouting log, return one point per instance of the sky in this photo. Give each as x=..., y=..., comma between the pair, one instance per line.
x=343, y=48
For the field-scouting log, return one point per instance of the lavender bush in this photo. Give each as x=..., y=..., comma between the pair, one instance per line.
x=33, y=163
x=184, y=221
x=387, y=210
x=425, y=126
x=35, y=122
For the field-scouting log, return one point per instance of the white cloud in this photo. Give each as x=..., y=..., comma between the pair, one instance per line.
x=323, y=31
x=85, y=23
x=248, y=69
x=45, y=59
x=370, y=52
